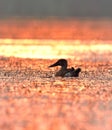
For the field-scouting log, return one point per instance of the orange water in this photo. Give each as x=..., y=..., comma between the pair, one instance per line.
x=32, y=98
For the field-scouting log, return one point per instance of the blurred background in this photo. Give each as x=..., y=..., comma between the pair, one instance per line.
x=55, y=28
x=60, y=8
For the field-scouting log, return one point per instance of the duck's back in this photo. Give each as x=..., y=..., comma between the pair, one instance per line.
x=65, y=72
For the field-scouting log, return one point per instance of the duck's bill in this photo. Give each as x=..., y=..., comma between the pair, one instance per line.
x=53, y=65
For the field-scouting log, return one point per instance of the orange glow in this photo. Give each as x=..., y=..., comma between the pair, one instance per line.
x=31, y=97
x=54, y=38
x=30, y=48
x=56, y=29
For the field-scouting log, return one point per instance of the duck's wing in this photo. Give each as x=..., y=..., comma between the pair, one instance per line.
x=69, y=72
x=65, y=72
x=73, y=72
x=60, y=73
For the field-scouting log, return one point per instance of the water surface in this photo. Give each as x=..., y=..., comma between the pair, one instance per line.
x=31, y=97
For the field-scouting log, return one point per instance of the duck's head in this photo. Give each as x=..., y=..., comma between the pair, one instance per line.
x=60, y=62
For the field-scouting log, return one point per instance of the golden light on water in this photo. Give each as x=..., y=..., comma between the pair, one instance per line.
x=30, y=48
x=52, y=38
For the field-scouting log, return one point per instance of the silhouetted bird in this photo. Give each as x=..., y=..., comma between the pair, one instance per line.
x=64, y=72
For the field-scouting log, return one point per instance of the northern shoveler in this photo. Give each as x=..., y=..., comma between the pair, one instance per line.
x=64, y=72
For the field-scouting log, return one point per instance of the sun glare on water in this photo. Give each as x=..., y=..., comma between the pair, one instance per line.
x=26, y=48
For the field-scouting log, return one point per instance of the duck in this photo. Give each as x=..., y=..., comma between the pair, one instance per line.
x=64, y=71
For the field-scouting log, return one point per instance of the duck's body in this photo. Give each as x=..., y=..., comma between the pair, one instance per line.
x=64, y=72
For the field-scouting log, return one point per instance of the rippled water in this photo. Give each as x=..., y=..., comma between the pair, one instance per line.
x=31, y=97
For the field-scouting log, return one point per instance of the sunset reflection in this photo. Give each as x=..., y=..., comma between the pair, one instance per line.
x=30, y=48
x=55, y=38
